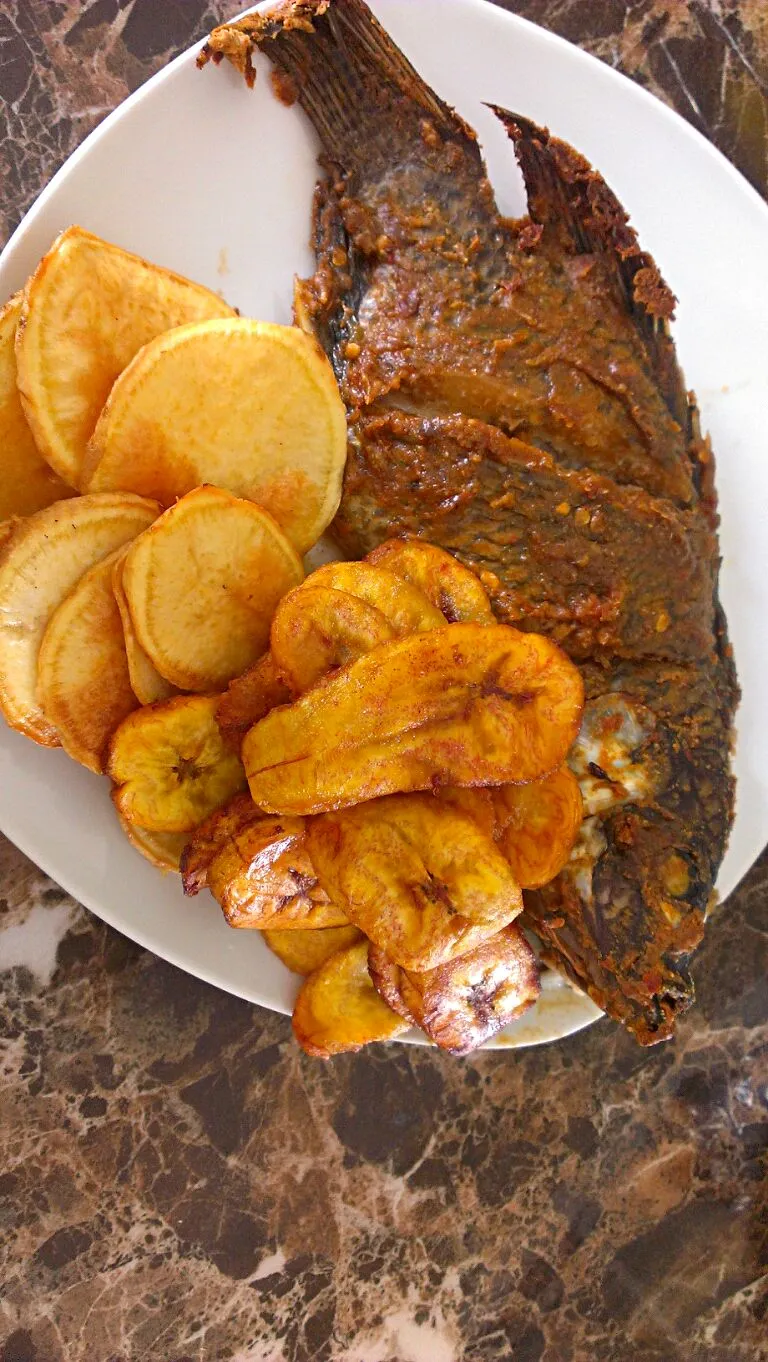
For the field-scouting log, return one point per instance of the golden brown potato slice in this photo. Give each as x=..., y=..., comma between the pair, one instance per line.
x=45, y=558
x=162, y=849
x=266, y=422
x=316, y=630
x=203, y=585
x=537, y=825
x=170, y=766
x=258, y=870
x=27, y=482
x=147, y=684
x=417, y=876
x=404, y=605
x=338, y=1010
x=456, y=592
x=305, y=951
x=463, y=705
x=88, y=308
x=83, y=686
x=461, y=1004
x=249, y=698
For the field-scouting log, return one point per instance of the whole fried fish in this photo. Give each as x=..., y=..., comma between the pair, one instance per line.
x=514, y=396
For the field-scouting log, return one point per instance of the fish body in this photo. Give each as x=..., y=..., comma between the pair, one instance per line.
x=513, y=395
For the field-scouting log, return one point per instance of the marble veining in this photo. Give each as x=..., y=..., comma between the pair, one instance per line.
x=179, y=1184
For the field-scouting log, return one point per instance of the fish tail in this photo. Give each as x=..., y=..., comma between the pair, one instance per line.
x=361, y=93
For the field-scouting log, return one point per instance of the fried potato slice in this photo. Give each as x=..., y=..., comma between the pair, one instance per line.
x=147, y=684
x=305, y=951
x=27, y=482
x=417, y=876
x=83, y=686
x=249, y=698
x=316, y=630
x=464, y=705
x=44, y=559
x=461, y=1004
x=203, y=584
x=87, y=310
x=162, y=849
x=269, y=425
x=537, y=825
x=405, y=606
x=338, y=1010
x=453, y=588
x=258, y=870
x=170, y=766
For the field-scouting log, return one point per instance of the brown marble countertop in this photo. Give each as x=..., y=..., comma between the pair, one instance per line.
x=178, y=1183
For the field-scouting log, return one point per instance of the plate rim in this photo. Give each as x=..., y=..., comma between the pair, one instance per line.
x=23, y=837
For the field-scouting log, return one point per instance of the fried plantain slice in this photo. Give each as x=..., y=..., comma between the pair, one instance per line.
x=258, y=870
x=537, y=825
x=316, y=630
x=464, y=705
x=305, y=951
x=338, y=1009
x=419, y=877
x=477, y=803
x=249, y=698
x=224, y=824
x=461, y=1004
x=404, y=605
x=8, y=528
x=203, y=585
x=453, y=588
x=162, y=849
x=170, y=766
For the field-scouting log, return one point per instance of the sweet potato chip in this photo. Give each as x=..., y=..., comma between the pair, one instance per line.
x=28, y=483
x=305, y=951
x=265, y=421
x=316, y=630
x=461, y=1004
x=338, y=1010
x=88, y=308
x=147, y=684
x=170, y=765
x=258, y=870
x=249, y=698
x=453, y=588
x=203, y=585
x=405, y=606
x=537, y=826
x=417, y=876
x=463, y=705
x=162, y=849
x=83, y=686
x=44, y=559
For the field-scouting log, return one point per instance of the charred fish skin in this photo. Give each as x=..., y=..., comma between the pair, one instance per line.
x=514, y=395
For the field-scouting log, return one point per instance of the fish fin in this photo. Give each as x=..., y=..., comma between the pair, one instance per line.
x=568, y=197
x=356, y=85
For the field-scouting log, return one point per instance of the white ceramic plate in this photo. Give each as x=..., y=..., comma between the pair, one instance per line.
x=197, y=173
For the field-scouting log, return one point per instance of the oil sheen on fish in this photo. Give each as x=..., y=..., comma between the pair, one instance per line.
x=513, y=395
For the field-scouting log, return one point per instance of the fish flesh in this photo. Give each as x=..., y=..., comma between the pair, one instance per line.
x=513, y=395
